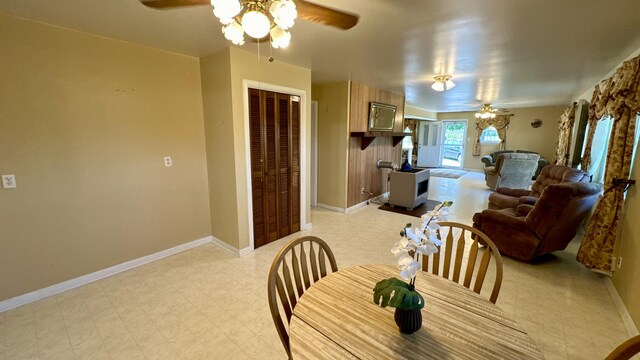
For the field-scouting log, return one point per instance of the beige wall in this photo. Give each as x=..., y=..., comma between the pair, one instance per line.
x=85, y=123
x=521, y=136
x=333, y=140
x=247, y=66
x=218, y=123
x=627, y=279
x=412, y=112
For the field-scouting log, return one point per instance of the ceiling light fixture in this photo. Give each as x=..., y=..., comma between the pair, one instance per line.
x=256, y=18
x=442, y=83
x=486, y=112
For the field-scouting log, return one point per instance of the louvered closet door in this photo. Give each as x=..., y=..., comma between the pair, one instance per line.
x=275, y=165
x=256, y=138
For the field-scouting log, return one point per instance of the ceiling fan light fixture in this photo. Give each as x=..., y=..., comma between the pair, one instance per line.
x=280, y=38
x=284, y=13
x=486, y=112
x=443, y=83
x=256, y=24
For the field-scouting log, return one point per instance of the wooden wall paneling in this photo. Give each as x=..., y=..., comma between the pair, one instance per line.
x=362, y=171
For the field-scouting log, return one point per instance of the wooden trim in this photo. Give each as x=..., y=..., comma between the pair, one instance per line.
x=366, y=137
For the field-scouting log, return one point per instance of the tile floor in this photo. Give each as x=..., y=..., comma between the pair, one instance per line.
x=207, y=304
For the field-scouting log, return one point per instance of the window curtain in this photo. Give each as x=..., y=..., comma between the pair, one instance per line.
x=565, y=127
x=618, y=98
x=500, y=122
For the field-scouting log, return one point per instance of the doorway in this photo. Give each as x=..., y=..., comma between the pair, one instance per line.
x=454, y=133
x=429, y=133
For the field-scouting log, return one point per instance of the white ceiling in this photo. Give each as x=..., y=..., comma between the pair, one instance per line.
x=506, y=52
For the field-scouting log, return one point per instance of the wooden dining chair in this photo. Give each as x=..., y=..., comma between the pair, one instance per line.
x=626, y=350
x=448, y=262
x=300, y=264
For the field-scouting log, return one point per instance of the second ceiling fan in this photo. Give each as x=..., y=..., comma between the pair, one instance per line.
x=263, y=19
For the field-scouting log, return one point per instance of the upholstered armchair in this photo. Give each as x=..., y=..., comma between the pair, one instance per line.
x=490, y=160
x=529, y=231
x=511, y=170
x=550, y=174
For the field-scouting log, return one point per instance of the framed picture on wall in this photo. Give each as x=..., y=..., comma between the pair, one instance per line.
x=382, y=117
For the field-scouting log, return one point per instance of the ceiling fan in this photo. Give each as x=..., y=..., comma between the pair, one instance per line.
x=263, y=19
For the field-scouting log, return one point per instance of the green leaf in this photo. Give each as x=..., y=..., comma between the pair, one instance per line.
x=398, y=294
x=447, y=203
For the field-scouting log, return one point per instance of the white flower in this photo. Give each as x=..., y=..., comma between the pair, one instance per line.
x=432, y=235
x=414, y=235
x=427, y=248
x=402, y=246
x=408, y=266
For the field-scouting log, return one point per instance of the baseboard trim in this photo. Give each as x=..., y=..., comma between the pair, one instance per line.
x=629, y=324
x=356, y=206
x=237, y=252
x=98, y=275
x=308, y=226
x=332, y=208
x=473, y=170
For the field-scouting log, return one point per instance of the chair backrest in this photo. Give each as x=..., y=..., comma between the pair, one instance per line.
x=555, y=174
x=515, y=170
x=297, y=266
x=451, y=260
x=626, y=350
x=495, y=154
x=557, y=214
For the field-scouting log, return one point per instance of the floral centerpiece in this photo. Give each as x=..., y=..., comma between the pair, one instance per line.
x=400, y=294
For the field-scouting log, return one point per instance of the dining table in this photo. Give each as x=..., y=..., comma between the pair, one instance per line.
x=336, y=318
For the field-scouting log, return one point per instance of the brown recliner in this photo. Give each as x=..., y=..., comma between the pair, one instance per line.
x=549, y=225
x=551, y=174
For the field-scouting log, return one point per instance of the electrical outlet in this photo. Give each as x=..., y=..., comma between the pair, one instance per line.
x=168, y=161
x=619, y=262
x=9, y=181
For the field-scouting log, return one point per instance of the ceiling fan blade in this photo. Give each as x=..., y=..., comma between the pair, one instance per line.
x=326, y=16
x=167, y=4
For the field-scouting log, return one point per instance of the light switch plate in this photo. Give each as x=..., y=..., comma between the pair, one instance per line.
x=168, y=161
x=9, y=181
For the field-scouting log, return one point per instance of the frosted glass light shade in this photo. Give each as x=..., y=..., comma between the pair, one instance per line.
x=438, y=86
x=280, y=38
x=255, y=24
x=234, y=33
x=284, y=13
x=226, y=10
x=449, y=84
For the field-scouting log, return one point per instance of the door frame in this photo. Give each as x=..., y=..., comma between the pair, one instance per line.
x=314, y=153
x=464, y=143
x=246, y=84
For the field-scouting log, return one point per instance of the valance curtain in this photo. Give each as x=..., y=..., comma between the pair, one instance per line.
x=565, y=127
x=618, y=98
x=500, y=122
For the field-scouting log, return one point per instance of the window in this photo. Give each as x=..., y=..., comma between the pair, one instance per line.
x=489, y=136
x=599, y=148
